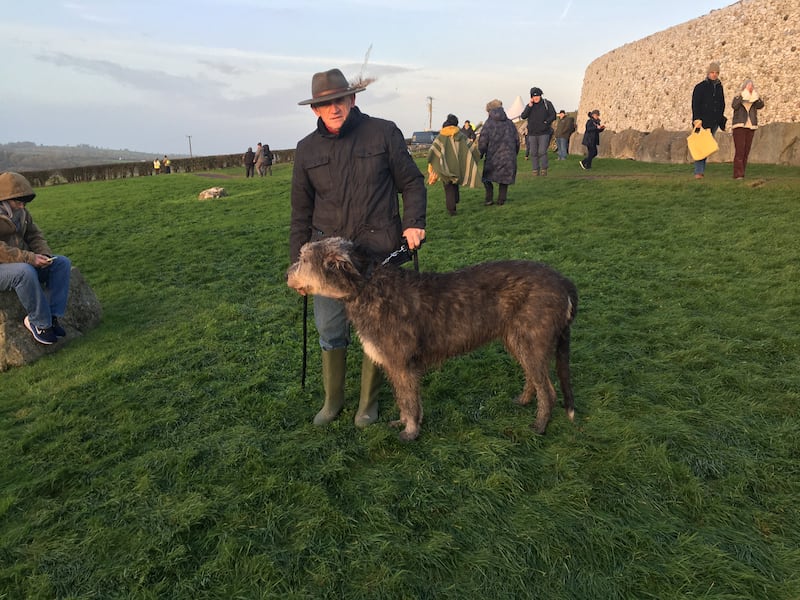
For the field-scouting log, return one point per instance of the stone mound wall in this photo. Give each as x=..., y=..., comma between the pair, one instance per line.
x=647, y=85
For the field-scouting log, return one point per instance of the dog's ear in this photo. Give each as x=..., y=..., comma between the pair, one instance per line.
x=338, y=258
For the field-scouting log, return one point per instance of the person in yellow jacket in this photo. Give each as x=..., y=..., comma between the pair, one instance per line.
x=157, y=166
x=453, y=159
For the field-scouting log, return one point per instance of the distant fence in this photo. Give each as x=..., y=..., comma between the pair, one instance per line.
x=123, y=170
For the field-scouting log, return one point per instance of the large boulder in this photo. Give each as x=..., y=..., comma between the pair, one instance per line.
x=17, y=346
x=776, y=143
x=625, y=144
x=662, y=146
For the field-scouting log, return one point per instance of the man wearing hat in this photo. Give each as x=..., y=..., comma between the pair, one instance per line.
x=347, y=175
x=708, y=106
x=540, y=115
x=27, y=265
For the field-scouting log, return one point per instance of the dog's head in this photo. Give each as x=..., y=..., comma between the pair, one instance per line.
x=331, y=267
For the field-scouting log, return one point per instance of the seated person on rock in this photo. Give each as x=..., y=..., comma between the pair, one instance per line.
x=27, y=265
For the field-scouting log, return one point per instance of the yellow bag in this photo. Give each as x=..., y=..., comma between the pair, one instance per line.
x=701, y=144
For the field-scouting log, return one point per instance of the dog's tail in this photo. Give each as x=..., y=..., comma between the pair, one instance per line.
x=562, y=355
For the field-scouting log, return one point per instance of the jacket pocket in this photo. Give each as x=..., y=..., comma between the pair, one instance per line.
x=319, y=173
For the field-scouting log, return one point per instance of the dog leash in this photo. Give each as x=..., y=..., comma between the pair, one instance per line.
x=403, y=255
x=399, y=257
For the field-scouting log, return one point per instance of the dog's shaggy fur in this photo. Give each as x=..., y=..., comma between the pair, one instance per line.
x=409, y=322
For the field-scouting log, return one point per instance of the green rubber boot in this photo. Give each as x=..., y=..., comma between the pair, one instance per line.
x=333, y=374
x=371, y=379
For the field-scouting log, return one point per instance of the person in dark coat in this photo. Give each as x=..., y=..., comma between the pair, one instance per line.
x=565, y=127
x=346, y=179
x=468, y=131
x=591, y=138
x=708, y=108
x=269, y=158
x=499, y=144
x=540, y=114
x=249, y=161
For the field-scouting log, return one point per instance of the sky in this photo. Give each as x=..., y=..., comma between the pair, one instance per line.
x=218, y=76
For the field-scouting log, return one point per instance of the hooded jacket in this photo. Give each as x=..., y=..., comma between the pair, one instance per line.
x=499, y=143
x=20, y=239
x=347, y=185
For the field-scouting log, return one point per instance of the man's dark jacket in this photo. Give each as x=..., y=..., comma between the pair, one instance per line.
x=346, y=185
x=540, y=116
x=708, y=103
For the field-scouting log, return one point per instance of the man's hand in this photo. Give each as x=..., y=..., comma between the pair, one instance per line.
x=42, y=260
x=414, y=237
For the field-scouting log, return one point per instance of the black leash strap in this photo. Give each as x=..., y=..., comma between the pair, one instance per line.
x=305, y=342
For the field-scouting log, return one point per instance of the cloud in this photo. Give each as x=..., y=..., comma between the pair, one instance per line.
x=565, y=12
x=86, y=13
x=139, y=79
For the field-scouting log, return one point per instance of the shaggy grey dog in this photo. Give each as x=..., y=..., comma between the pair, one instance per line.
x=409, y=322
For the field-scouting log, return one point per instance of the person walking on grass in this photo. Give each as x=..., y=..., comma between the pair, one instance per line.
x=453, y=159
x=591, y=138
x=249, y=162
x=708, y=107
x=540, y=115
x=565, y=127
x=499, y=144
x=269, y=158
x=346, y=179
x=27, y=265
x=746, y=105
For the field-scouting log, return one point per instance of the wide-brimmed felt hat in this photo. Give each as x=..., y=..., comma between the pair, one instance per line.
x=14, y=186
x=330, y=85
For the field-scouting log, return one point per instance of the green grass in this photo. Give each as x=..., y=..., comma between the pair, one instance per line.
x=169, y=453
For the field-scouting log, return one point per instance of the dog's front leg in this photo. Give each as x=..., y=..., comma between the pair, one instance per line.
x=407, y=397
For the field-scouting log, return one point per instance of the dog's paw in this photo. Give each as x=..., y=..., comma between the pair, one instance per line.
x=408, y=436
x=522, y=400
x=539, y=428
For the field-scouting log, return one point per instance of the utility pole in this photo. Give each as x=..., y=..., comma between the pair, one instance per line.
x=430, y=113
x=190, y=145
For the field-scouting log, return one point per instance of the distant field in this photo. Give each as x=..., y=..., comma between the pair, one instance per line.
x=28, y=156
x=170, y=453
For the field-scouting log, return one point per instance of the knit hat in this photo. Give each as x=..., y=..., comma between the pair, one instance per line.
x=535, y=91
x=14, y=186
x=492, y=104
x=713, y=68
x=451, y=120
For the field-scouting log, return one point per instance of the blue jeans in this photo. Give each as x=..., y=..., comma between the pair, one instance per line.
x=700, y=165
x=563, y=147
x=43, y=292
x=538, y=145
x=331, y=322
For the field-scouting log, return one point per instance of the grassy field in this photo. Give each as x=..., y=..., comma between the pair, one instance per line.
x=169, y=453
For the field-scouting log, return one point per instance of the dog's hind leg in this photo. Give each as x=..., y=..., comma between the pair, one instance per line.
x=534, y=359
x=407, y=397
x=545, y=401
x=562, y=369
